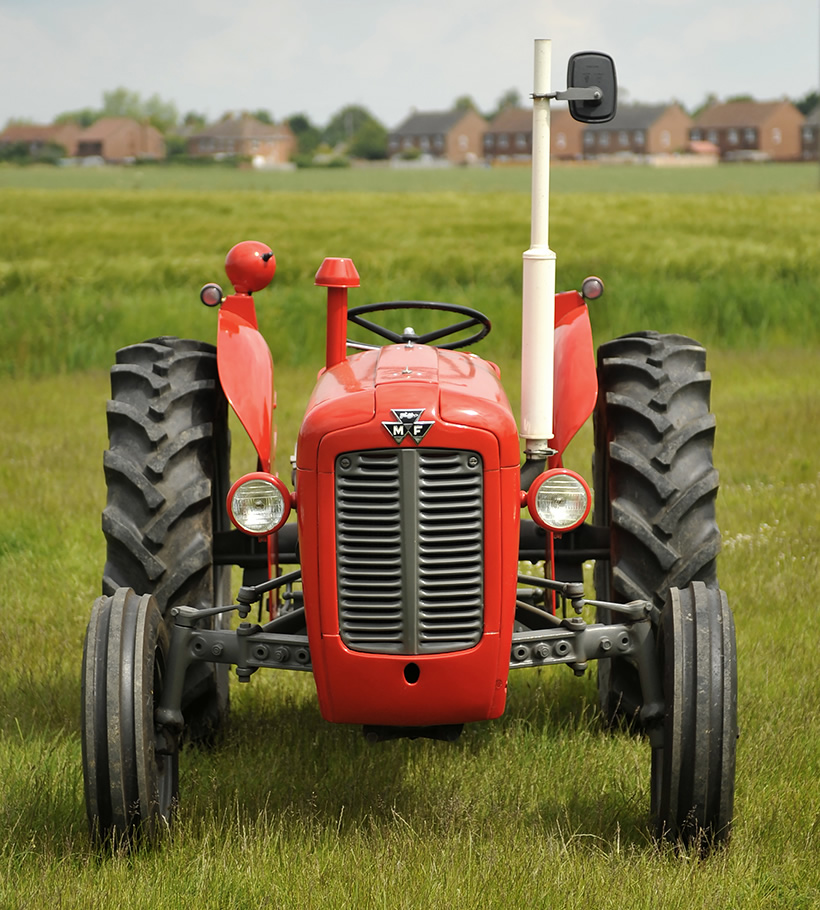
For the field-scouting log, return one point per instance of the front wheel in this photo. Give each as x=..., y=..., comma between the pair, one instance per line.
x=693, y=772
x=130, y=769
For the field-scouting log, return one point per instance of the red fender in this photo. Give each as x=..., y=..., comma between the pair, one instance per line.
x=246, y=372
x=575, y=378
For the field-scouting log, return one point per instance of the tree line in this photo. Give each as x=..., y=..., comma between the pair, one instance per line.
x=354, y=126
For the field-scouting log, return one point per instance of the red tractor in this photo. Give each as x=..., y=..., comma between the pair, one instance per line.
x=409, y=604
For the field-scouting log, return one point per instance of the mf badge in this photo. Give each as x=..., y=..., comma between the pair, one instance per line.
x=407, y=425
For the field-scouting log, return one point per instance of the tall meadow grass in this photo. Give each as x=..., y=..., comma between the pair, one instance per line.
x=542, y=808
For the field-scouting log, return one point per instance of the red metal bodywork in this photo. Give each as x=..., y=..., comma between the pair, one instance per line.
x=575, y=377
x=462, y=395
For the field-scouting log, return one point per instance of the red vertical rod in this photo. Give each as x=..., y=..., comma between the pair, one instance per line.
x=336, y=349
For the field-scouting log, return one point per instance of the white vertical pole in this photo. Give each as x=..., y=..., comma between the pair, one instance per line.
x=538, y=305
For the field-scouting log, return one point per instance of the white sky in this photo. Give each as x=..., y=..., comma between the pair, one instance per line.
x=316, y=56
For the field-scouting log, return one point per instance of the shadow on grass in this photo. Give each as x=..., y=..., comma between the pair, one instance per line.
x=277, y=758
x=546, y=767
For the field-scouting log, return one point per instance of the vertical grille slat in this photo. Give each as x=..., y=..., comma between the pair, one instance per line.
x=409, y=536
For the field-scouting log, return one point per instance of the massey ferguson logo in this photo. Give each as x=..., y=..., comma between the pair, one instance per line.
x=407, y=425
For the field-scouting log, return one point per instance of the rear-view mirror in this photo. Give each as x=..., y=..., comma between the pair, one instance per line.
x=585, y=70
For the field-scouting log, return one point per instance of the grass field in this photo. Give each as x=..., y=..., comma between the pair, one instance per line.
x=542, y=808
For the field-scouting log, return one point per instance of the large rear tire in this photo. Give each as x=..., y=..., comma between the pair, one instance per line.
x=655, y=485
x=167, y=473
x=693, y=773
x=131, y=773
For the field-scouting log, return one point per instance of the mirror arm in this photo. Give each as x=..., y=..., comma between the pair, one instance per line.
x=592, y=93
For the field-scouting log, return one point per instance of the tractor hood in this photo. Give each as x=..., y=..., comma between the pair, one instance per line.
x=409, y=392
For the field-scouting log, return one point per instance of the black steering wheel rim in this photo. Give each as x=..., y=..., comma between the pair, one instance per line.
x=474, y=318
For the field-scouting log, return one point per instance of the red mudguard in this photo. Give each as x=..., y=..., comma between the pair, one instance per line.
x=575, y=379
x=246, y=372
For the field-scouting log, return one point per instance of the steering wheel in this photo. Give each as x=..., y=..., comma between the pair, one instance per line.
x=474, y=318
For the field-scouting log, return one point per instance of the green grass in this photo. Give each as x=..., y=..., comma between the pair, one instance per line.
x=541, y=808
x=566, y=178
x=82, y=273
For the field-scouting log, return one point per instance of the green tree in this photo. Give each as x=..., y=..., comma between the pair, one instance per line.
x=84, y=116
x=370, y=142
x=345, y=124
x=161, y=114
x=194, y=120
x=263, y=116
x=464, y=103
x=808, y=102
x=307, y=135
x=510, y=98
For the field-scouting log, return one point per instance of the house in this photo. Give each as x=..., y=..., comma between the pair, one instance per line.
x=508, y=138
x=752, y=130
x=267, y=144
x=810, y=136
x=118, y=139
x=566, y=136
x=639, y=129
x=37, y=137
x=455, y=136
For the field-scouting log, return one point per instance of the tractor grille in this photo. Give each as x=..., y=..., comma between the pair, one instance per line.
x=409, y=550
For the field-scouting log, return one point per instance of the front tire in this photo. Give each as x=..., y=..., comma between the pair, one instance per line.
x=693, y=773
x=655, y=485
x=167, y=474
x=130, y=772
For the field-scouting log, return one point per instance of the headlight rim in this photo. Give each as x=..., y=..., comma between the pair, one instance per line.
x=536, y=485
x=274, y=481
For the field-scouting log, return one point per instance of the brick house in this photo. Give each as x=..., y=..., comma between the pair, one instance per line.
x=640, y=129
x=508, y=138
x=455, y=136
x=244, y=136
x=810, y=136
x=36, y=137
x=117, y=139
x=769, y=130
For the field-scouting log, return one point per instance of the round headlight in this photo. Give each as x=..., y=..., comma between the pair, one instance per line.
x=559, y=500
x=258, y=504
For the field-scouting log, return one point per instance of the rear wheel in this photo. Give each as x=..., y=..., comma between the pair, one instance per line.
x=130, y=770
x=167, y=473
x=693, y=773
x=655, y=485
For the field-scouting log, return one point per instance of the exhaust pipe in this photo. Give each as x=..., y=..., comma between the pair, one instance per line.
x=538, y=304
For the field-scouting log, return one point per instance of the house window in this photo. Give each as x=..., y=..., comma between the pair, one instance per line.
x=623, y=139
x=777, y=136
x=408, y=143
x=750, y=136
x=438, y=142
x=589, y=138
x=503, y=140
x=489, y=140
x=520, y=141
x=696, y=135
x=424, y=144
x=603, y=139
x=732, y=137
x=463, y=142
x=712, y=136
x=639, y=137
x=561, y=141
x=666, y=139
x=808, y=133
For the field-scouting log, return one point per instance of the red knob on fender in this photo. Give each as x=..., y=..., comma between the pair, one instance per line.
x=250, y=266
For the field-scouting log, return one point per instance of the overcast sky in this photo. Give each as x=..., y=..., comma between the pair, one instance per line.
x=316, y=56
